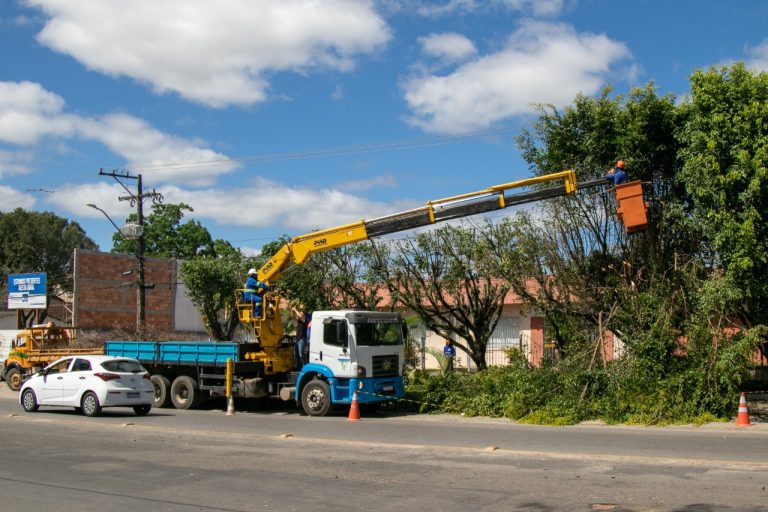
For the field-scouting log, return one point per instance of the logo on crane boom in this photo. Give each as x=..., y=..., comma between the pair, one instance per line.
x=322, y=241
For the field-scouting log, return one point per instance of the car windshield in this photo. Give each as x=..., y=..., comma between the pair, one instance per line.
x=379, y=334
x=122, y=365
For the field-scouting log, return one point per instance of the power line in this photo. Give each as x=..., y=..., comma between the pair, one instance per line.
x=344, y=150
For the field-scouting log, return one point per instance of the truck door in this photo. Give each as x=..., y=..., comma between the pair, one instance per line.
x=333, y=349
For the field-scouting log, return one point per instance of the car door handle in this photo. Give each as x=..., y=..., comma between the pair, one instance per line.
x=59, y=378
x=81, y=378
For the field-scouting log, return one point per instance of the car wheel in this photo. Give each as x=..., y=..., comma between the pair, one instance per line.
x=162, y=391
x=29, y=400
x=13, y=379
x=142, y=410
x=316, y=398
x=184, y=392
x=90, y=404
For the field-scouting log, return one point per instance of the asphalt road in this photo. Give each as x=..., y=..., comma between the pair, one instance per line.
x=279, y=460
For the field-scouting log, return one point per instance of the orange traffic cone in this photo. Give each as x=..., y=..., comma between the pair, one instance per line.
x=742, y=419
x=354, y=409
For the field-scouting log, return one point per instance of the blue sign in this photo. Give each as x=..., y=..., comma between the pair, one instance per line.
x=27, y=291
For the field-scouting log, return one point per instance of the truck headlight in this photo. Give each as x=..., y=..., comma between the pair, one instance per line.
x=361, y=372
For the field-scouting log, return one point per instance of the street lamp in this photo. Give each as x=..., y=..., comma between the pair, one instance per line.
x=133, y=231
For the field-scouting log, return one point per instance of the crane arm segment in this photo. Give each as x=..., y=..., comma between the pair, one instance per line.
x=492, y=198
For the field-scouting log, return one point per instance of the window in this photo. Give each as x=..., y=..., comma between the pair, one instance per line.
x=379, y=334
x=335, y=332
x=81, y=365
x=123, y=365
x=59, y=367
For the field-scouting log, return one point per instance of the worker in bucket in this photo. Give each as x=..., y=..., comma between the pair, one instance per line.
x=254, y=292
x=617, y=175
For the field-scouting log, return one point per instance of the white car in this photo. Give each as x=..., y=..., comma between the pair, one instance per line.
x=89, y=383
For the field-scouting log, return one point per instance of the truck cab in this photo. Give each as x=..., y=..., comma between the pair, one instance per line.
x=352, y=352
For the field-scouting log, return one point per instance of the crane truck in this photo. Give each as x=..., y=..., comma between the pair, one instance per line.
x=353, y=354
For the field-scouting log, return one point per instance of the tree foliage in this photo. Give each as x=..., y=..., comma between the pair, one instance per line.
x=687, y=295
x=440, y=276
x=166, y=235
x=40, y=242
x=211, y=284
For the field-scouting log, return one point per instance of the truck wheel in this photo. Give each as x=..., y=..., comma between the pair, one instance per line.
x=13, y=379
x=90, y=404
x=316, y=398
x=29, y=400
x=184, y=392
x=162, y=391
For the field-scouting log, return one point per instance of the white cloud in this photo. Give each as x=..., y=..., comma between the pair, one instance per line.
x=15, y=162
x=450, y=7
x=74, y=199
x=758, y=56
x=541, y=63
x=29, y=113
x=10, y=199
x=538, y=8
x=235, y=45
x=449, y=47
x=275, y=209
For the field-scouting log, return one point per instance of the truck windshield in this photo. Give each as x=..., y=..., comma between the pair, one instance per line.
x=379, y=334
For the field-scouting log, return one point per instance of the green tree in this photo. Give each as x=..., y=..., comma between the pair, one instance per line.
x=211, y=284
x=40, y=242
x=166, y=235
x=725, y=140
x=440, y=276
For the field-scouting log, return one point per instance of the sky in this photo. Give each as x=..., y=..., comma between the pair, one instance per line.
x=281, y=117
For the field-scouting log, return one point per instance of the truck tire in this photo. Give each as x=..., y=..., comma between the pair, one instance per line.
x=162, y=391
x=29, y=400
x=90, y=404
x=316, y=398
x=184, y=392
x=13, y=379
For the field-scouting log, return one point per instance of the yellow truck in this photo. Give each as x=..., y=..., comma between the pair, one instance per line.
x=37, y=346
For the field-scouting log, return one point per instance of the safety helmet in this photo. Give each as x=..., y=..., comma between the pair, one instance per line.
x=252, y=271
x=620, y=164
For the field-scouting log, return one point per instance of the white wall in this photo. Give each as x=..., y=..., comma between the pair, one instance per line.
x=6, y=336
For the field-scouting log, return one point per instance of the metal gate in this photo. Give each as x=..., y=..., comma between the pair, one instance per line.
x=505, y=336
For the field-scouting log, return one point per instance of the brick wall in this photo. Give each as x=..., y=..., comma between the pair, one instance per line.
x=106, y=299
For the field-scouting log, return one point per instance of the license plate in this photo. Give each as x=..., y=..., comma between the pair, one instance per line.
x=134, y=395
x=388, y=388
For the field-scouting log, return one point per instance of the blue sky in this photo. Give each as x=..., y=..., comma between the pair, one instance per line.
x=284, y=116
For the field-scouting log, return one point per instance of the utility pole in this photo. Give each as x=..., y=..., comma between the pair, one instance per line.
x=137, y=200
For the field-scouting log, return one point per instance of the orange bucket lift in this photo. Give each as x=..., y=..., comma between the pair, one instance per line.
x=631, y=207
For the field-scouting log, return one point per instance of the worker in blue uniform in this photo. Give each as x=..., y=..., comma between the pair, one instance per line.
x=254, y=292
x=617, y=175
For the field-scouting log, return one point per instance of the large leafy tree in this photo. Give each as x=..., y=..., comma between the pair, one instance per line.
x=440, y=275
x=40, y=242
x=166, y=235
x=725, y=139
x=575, y=248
